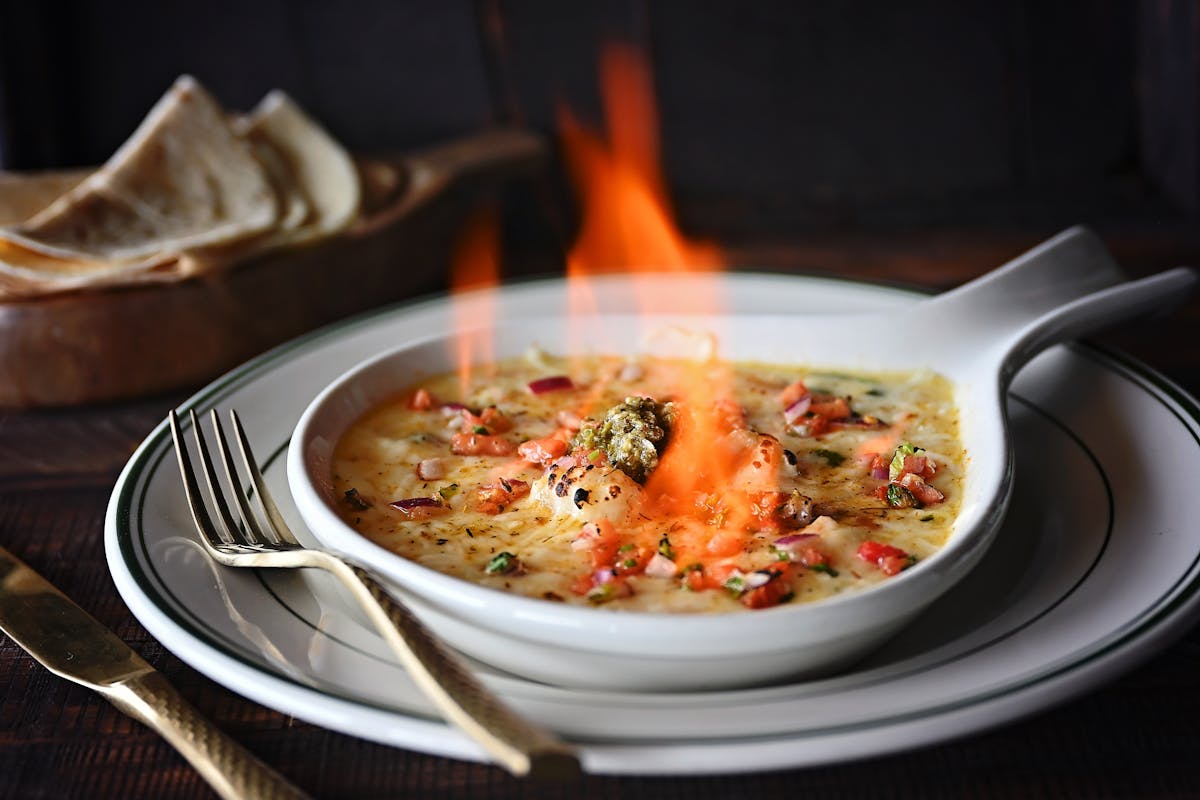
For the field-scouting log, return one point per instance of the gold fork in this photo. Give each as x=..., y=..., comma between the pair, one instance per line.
x=264, y=540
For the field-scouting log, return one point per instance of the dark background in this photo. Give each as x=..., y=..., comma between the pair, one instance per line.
x=778, y=118
x=921, y=142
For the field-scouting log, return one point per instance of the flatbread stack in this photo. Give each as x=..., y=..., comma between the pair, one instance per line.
x=192, y=192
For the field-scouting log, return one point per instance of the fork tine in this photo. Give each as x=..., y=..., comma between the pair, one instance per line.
x=191, y=489
x=278, y=526
x=253, y=531
x=233, y=534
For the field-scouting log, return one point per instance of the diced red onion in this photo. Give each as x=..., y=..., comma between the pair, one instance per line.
x=659, y=566
x=602, y=575
x=431, y=469
x=410, y=503
x=796, y=411
x=880, y=472
x=791, y=540
x=554, y=383
x=452, y=409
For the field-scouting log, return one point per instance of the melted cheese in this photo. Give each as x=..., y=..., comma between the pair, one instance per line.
x=377, y=463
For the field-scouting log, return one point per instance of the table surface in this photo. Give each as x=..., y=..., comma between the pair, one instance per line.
x=1137, y=736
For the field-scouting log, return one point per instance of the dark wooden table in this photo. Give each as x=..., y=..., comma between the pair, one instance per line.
x=1138, y=736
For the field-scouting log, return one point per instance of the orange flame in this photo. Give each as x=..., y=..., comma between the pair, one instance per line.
x=628, y=228
x=627, y=221
x=475, y=268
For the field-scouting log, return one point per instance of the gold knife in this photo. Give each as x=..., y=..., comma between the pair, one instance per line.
x=71, y=643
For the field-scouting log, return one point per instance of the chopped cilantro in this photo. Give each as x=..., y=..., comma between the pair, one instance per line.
x=601, y=594
x=899, y=497
x=625, y=548
x=479, y=429
x=822, y=567
x=448, y=491
x=664, y=547
x=629, y=563
x=503, y=563
x=735, y=583
x=832, y=457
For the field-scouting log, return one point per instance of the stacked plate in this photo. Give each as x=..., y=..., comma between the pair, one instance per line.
x=1095, y=568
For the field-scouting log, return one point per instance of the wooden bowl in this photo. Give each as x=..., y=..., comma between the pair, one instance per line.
x=119, y=343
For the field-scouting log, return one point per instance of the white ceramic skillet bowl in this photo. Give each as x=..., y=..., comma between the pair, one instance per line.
x=977, y=336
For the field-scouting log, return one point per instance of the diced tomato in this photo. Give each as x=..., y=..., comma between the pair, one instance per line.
x=600, y=539
x=545, y=451
x=915, y=465
x=812, y=426
x=872, y=551
x=794, y=391
x=891, y=560
x=492, y=498
x=830, y=408
x=812, y=557
x=715, y=575
x=491, y=418
x=773, y=592
x=695, y=579
x=922, y=491
x=480, y=444
x=422, y=400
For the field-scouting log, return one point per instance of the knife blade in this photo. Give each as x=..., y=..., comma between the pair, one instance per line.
x=74, y=645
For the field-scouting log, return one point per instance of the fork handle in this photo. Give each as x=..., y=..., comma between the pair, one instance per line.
x=231, y=770
x=515, y=743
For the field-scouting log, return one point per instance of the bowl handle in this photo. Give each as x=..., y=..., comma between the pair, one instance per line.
x=1066, y=287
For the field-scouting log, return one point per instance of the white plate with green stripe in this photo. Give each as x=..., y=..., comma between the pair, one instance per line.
x=1096, y=568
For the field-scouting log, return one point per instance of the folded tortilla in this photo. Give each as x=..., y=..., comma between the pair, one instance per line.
x=23, y=194
x=191, y=192
x=183, y=180
x=309, y=169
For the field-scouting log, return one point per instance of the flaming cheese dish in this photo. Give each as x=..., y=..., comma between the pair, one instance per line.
x=656, y=484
